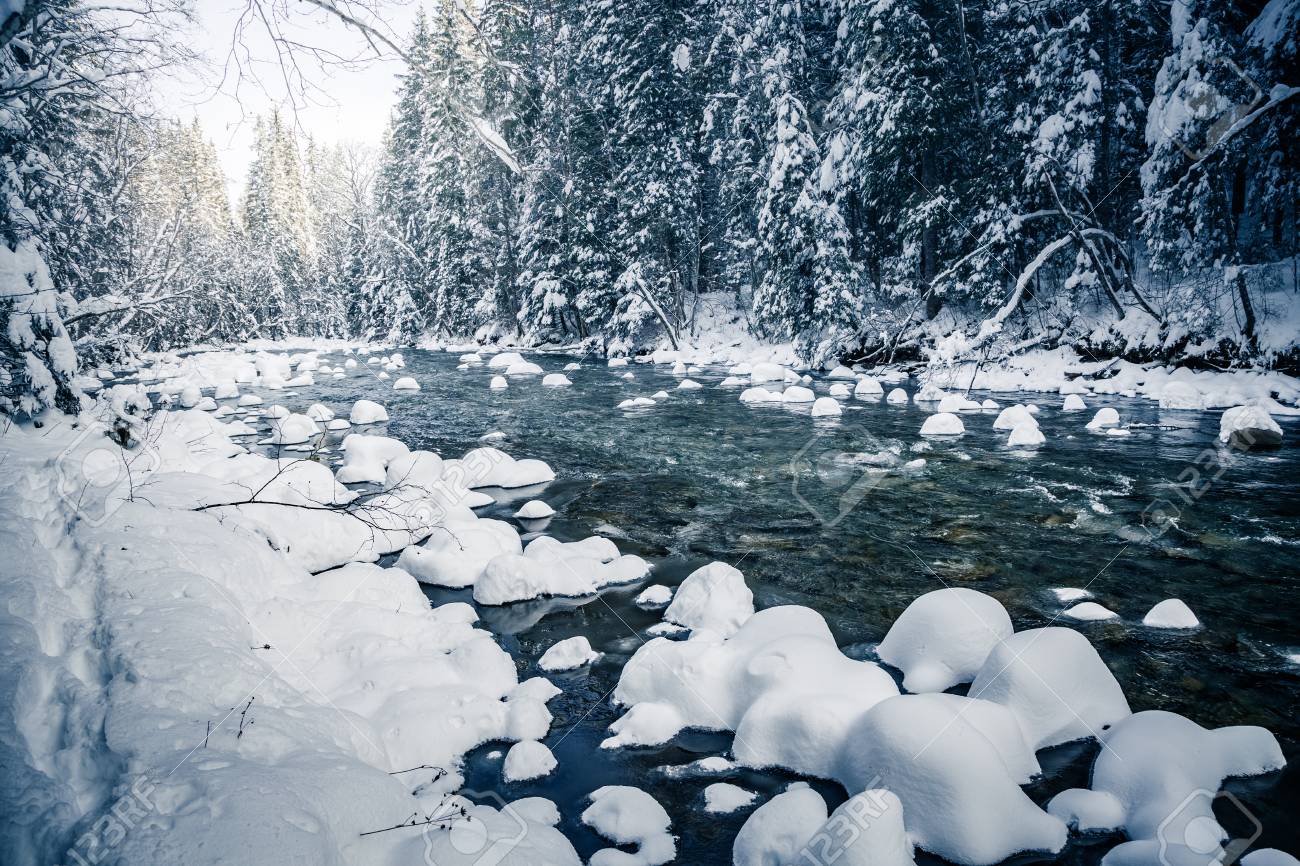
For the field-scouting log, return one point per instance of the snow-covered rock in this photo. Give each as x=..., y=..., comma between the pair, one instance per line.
x=629, y=816
x=456, y=554
x=406, y=383
x=1157, y=778
x=1104, y=418
x=960, y=800
x=689, y=385
x=779, y=830
x=766, y=372
x=798, y=394
x=492, y=467
x=897, y=396
x=943, y=424
x=556, y=380
x=504, y=360
x=1073, y=403
x=944, y=637
x=617, y=362
x=320, y=412
x=1055, y=683
x=839, y=389
x=868, y=388
x=1089, y=611
x=723, y=798
x=523, y=368
x=713, y=597
x=292, y=430
x=957, y=403
x=366, y=458
x=1012, y=417
x=841, y=372
x=367, y=412
x=567, y=655
x=571, y=366
x=824, y=407
x=499, y=383
x=226, y=391
x=250, y=400
x=760, y=395
x=655, y=595
x=1026, y=434
x=527, y=759
x=534, y=509
x=550, y=568
x=1171, y=613
x=1247, y=427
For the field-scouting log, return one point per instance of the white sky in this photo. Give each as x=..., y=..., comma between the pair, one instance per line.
x=346, y=103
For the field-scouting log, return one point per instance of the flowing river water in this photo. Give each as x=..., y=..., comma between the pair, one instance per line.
x=802, y=507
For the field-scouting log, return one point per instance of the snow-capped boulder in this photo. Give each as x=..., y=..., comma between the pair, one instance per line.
x=1026, y=434
x=868, y=388
x=571, y=366
x=760, y=395
x=367, y=412
x=523, y=368
x=1054, y=682
x=1089, y=611
x=958, y=403
x=839, y=389
x=250, y=400
x=504, y=360
x=456, y=554
x=292, y=430
x=320, y=412
x=824, y=407
x=366, y=458
x=527, y=759
x=689, y=385
x=406, y=383
x=943, y=424
x=1171, y=613
x=960, y=800
x=1073, y=403
x=629, y=816
x=798, y=394
x=554, y=380
x=897, y=397
x=655, y=595
x=617, y=362
x=944, y=637
x=534, y=509
x=841, y=372
x=713, y=597
x=338, y=424
x=499, y=383
x=1012, y=417
x=723, y=798
x=567, y=655
x=766, y=372
x=550, y=568
x=1104, y=418
x=780, y=829
x=1246, y=427
x=492, y=467
x=227, y=391
x=1156, y=779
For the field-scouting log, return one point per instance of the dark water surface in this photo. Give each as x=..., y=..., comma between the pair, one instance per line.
x=702, y=477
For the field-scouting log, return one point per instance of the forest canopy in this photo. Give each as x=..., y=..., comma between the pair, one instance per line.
x=870, y=179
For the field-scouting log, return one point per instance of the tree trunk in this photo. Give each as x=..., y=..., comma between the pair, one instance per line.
x=929, y=242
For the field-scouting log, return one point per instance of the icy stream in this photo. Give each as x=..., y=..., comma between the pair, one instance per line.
x=801, y=507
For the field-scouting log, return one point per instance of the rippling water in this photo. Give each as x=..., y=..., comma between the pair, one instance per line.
x=803, y=508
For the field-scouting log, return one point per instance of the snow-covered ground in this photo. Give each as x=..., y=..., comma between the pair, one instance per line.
x=203, y=663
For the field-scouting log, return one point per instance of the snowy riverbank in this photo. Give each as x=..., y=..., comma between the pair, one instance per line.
x=204, y=665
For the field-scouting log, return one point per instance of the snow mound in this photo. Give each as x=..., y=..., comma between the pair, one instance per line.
x=523, y=368
x=897, y=397
x=1171, y=613
x=760, y=395
x=504, y=360
x=528, y=759
x=1073, y=403
x=1012, y=417
x=534, y=509
x=458, y=551
x=492, y=467
x=571, y=366
x=1247, y=427
x=779, y=830
x=367, y=412
x=292, y=430
x=406, y=383
x=868, y=388
x=320, y=412
x=943, y=424
x=522, y=833
x=766, y=372
x=366, y=458
x=1090, y=611
x=1180, y=395
x=550, y=568
x=655, y=595
x=722, y=798
x=1104, y=418
x=567, y=655
x=826, y=407
x=499, y=383
x=1156, y=779
x=1026, y=434
x=944, y=637
x=689, y=385
x=629, y=816
x=713, y=597
x=1056, y=684
x=798, y=394
x=957, y=403
x=556, y=380
x=841, y=372
x=960, y=800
